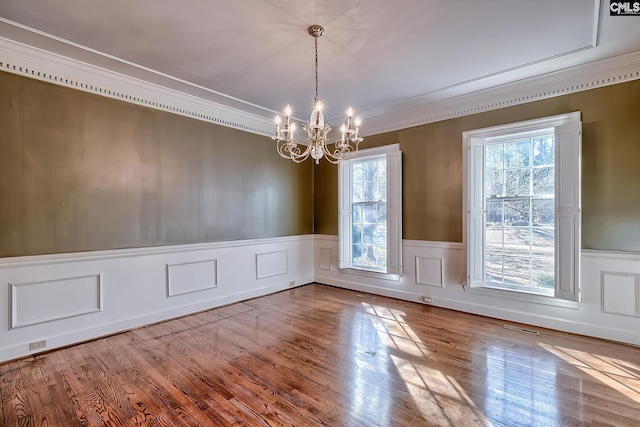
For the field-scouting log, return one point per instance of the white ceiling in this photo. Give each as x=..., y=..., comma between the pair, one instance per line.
x=380, y=57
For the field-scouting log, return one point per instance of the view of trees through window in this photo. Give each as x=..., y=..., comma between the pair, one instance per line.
x=520, y=212
x=369, y=213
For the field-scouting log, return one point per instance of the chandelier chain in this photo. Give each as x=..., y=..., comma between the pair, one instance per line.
x=316, y=40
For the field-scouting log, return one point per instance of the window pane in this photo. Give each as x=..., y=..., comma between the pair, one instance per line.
x=369, y=213
x=542, y=241
x=493, y=237
x=542, y=269
x=494, y=185
x=493, y=271
x=543, y=212
x=368, y=231
x=356, y=233
x=494, y=213
x=517, y=182
x=493, y=156
x=381, y=236
x=381, y=218
x=380, y=173
x=369, y=187
x=380, y=191
x=543, y=151
x=357, y=192
x=517, y=241
x=516, y=154
x=517, y=270
x=516, y=212
x=543, y=180
x=357, y=172
x=356, y=211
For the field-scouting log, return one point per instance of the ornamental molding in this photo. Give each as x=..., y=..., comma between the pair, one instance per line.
x=18, y=58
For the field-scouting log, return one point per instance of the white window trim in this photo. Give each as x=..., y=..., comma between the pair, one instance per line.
x=394, y=213
x=568, y=160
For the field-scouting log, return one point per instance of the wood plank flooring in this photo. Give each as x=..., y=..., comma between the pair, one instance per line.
x=322, y=356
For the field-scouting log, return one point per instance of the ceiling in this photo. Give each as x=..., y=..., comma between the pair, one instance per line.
x=380, y=57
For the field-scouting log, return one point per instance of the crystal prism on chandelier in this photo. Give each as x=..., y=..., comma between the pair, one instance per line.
x=317, y=143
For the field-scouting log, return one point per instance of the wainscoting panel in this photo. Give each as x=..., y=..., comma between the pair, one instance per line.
x=49, y=300
x=69, y=298
x=429, y=271
x=609, y=289
x=325, y=259
x=271, y=264
x=620, y=293
x=190, y=277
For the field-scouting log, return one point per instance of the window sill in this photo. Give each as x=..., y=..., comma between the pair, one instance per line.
x=371, y=274
x=524, y=296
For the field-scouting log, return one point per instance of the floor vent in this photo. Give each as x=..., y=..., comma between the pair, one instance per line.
x=366, y=296
x=519, y=329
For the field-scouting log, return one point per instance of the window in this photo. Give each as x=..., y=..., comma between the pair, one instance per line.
x=522, y=203
x=370, y=200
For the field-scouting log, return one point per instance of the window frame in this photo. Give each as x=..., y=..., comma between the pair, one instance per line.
x=393, y=157
x=567, y=130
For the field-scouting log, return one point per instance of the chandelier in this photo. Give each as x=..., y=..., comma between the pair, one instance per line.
x=317, y=143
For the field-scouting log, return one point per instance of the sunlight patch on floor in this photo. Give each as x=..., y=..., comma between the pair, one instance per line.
x=438, y=397
x=620, y=375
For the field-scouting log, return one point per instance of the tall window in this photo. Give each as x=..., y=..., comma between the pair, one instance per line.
x=519, y=234
x=370, y=195
x=523, y=206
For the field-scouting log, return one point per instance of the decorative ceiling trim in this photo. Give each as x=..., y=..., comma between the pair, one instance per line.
x=592, y=75
x=36, y=63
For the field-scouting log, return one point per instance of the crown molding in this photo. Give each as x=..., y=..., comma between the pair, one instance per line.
x=18, y=58
x=39, y=64
x=617, y=69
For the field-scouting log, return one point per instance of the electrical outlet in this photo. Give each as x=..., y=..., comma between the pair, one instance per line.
x=37, y=345
x=426, y=299
x=292, y=283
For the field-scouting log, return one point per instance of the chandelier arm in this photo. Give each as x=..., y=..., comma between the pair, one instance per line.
x=294, y=153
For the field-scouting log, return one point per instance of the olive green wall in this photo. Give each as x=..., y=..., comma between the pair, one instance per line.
x=82, y=172
x=432, y=168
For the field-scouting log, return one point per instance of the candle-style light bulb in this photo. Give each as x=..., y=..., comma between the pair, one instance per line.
x=278, y=119
x=349, y=112
x=287, y=110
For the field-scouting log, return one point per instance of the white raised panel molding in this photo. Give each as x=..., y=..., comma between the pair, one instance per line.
x=621, y=293
x=55, y=299
x=194, y=276
x=325, y=259
x=140, y=286
x=271, y=264
x=429, y=271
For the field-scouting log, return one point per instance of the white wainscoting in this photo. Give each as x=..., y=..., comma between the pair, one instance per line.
x=49, y=300
x=271, y=264
x=69, y=298
x=193, y=276
x=610, y=289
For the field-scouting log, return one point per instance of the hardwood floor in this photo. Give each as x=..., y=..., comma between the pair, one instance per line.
x=318, y=355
